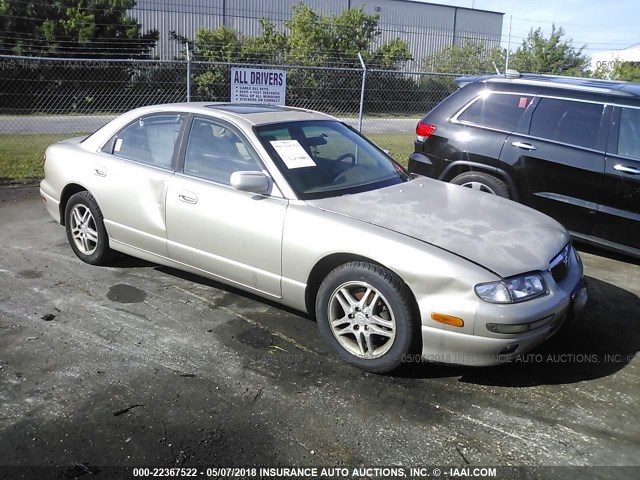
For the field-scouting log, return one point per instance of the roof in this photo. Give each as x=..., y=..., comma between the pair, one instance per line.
x=259, y=114
x=251, y=114
x=592, y=85
x=456, y=7
x=240, y=114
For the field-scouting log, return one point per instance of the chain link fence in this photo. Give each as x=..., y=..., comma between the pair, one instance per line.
x=43, y=100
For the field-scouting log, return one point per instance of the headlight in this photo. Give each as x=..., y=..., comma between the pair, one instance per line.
x=512, y=290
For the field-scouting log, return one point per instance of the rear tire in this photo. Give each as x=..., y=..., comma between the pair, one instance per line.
x=482, y=182
x=365, y=314
x=85, y=229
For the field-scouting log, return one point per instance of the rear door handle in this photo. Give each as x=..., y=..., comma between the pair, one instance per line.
x=100, y=171
x=188, y=197
x=524, y=146
x=622, y=168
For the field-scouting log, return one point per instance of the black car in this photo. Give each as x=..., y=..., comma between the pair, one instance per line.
x=569, y=147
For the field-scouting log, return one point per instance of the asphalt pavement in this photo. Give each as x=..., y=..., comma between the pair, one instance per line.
x=137, y=364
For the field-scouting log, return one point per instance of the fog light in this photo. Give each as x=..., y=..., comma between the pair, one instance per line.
x=519, y=327
x=508, y=349
x=506, y=328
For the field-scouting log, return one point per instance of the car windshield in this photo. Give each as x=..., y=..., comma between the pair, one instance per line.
x=327, y=158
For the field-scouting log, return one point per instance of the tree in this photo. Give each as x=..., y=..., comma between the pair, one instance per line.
x=470, y=58
x=390, y=55
x=308, y=40
x=337, y=39
x=18, y=27
x=552, y=55
x=220, y=45
x=625, y=71
x=270, y=47
x=73, y=28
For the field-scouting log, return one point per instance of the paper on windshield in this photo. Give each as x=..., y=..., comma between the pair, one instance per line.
x=292, y=154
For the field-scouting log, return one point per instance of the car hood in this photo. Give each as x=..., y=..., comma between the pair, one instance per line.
x=498, y=234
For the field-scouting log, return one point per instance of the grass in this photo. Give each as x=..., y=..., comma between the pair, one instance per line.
x=21, y=155
x=400, y=145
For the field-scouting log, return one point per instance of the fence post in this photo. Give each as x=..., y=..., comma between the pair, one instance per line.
x=506, y=63
x=188, y=73
x=364, y=80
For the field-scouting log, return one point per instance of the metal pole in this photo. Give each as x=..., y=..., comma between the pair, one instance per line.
x=188, y=73
x=506, y=66
x=364, y=80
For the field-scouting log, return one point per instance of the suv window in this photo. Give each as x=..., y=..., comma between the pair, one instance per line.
x=629, y=137
x=149, y=140
x=496, y=110
x=567, y=121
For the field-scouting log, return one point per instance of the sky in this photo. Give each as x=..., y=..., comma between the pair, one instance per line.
x=600, y=25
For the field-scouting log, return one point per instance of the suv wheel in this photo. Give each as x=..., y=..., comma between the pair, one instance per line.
x=483, y=182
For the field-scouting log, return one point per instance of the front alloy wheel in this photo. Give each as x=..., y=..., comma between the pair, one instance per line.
x=368, y=316
x=361, y=320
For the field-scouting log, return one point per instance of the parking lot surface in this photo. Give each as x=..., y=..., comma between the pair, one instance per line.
x=136, y=364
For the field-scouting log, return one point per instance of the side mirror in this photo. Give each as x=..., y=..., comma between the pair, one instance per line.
x=250, y=181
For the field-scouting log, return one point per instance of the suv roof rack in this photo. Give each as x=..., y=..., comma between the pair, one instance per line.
x=594, y=85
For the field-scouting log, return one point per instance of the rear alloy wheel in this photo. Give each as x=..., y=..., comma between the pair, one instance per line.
x=482, y=182
x=365, y=314
x=85, y=229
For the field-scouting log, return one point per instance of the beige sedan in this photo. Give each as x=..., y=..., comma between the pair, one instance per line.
x=297, y=207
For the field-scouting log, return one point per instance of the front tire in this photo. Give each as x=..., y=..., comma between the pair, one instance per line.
x=482, y=182
x=365, y=314
x=85, y=229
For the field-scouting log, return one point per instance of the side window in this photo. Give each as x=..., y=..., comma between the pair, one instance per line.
x=496, y=110
x=214, y=152
x=567, y=121
x=629, y=137
x=150, y=140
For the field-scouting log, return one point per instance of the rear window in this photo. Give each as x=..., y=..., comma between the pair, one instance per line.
x=150, y=140
x=496, y=110
x=567, y=121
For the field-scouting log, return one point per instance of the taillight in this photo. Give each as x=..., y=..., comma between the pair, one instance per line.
x=424, y=131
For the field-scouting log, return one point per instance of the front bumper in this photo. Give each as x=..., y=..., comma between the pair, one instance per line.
x=483, y=348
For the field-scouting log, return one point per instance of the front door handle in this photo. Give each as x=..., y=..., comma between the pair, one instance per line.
x=100, y=171
x=622, y=168
x=524, y=146
x=188, y=197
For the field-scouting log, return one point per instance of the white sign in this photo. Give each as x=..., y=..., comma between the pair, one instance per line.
x=292, y=154
x=257, y=85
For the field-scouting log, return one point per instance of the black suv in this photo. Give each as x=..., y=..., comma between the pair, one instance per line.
x=569, y=147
